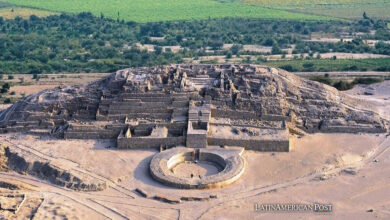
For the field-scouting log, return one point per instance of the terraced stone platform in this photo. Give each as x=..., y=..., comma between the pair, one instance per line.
x=197, y=106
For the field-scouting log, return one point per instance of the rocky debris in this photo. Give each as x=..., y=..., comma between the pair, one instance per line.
x=166, y=199
x=51, y=109
x=195, y=198
x=142, y=192
x=323, y=177
x=368, y=93
x=23, y=162
x=7, y=185
x=3, y=159
x=350, y=171
x=19, y=206
x=267, y=93
x=213, y=196
x=10, y=203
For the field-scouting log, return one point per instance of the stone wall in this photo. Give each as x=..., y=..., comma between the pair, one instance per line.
x=257, y=145
x=148, y=142
x=98, y=134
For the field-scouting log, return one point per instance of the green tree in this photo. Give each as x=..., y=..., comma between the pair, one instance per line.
x=276, y=49
x=235, y=49
x=365, y=15
x=5, y=87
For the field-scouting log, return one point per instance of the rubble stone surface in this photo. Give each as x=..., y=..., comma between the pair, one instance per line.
x=250, y=106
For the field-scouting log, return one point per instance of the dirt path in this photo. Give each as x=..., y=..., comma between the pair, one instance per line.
x=95, y=202
x=379, y=151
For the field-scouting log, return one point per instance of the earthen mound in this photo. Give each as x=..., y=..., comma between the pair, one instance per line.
x=135, y=102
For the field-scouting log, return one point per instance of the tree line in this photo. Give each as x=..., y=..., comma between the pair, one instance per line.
x=85, y=43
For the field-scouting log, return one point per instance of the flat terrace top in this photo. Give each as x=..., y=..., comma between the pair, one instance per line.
x=247, y=123
x=241, y=133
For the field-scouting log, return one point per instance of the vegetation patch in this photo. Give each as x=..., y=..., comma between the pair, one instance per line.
x=85, y=43
x=346, y=85
x=164, y=10
x=330, y=65
x=347, y=9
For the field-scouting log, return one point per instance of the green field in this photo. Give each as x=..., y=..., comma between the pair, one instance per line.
x=172, y=10
x=164, y=10
x=328, y=65
x=348, y=9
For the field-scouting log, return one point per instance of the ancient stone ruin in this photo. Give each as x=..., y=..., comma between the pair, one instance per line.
x=194, y=106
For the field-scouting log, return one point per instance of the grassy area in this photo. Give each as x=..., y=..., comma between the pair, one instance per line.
x=346, y=85
x=10, y=13
x=351, y=11
x=334, y=8
x=328, y=65
x=164, y=10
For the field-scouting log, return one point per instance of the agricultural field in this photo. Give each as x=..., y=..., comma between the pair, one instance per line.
x=10, y=13
x=329, y=65
x=172, y=10
x=346, y=9
x=164, y=10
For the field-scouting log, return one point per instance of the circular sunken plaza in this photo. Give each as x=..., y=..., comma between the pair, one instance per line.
x=228, y=162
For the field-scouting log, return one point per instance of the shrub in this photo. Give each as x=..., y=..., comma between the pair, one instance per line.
x=367, y=80
x=229, y=55
x=343, y=85
x=5, y=87
x=288, y=68
x=322, y=79
x=308, y=65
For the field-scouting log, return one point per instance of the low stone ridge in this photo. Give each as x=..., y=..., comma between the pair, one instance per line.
x=3, y=159
x=251, y=106
x=23, y=162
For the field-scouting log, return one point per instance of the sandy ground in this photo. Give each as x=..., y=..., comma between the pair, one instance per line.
x=293, y=177
x=354, y=56
x=375, y=97
x=335, y=40
x=151, y=48
x=349, y=171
